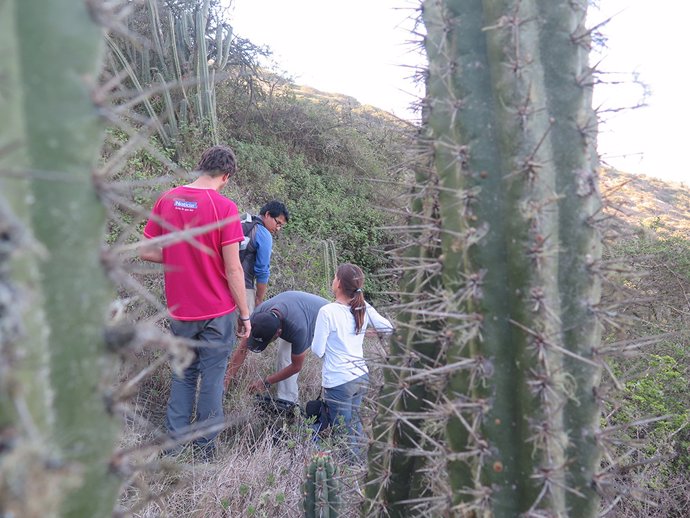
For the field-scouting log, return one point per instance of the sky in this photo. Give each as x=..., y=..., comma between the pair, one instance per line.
x=363, y=48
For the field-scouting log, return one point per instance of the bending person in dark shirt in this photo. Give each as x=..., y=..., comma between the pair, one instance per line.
x=289, y=318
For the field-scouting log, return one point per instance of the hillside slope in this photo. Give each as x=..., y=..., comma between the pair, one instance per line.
x=638, y=200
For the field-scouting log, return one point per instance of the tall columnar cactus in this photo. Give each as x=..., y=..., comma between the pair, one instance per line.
x=321, y=488
x=120, y=57
x=55, y=430
x=407, y=407
x=202, y=74
x=179, y=46
x=157, y=35
x=515, y=287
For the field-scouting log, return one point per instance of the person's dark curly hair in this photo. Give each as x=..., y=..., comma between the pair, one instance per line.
x=275, y=208
x=217, y=161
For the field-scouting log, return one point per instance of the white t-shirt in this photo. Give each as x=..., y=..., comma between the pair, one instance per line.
x=336, y=342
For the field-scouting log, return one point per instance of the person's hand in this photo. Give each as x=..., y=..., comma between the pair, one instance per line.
x=244, y=327
x=257, y=386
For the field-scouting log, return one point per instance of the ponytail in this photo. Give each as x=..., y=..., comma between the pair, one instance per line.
x=351, y=280
x=358, y=307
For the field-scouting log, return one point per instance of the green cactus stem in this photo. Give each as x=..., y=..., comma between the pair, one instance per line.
x=178, y=50
x=22, y=383
x=145, y=66
x=176, y=55
x=58, y=137
x=403, y=432
x=169, y=107
x=515, y=287
x=186, y=42
x=568, y=80
x=225, y=45
x=137, y=84
x=202, y=72
x=157, y=34
x=184, y=113
x=321, y=488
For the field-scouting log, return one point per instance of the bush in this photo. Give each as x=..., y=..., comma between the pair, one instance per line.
x=649, y=296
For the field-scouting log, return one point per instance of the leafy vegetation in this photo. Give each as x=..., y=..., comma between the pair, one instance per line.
x=343, y=198
x=650, y=419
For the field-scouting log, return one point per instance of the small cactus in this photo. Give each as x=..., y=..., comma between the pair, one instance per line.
x=321, y=488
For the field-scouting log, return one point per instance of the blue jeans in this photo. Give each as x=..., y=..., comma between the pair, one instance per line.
x=343, y=404
x=209, y=364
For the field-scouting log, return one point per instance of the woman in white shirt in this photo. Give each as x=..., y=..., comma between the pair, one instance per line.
x=338, y=339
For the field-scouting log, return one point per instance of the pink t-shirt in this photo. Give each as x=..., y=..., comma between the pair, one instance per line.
x=196, y=286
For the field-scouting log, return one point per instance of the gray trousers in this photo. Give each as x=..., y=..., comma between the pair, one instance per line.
x=217, y=339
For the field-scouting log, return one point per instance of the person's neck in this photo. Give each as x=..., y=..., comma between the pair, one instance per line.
x=205, y=181
x=342, y=299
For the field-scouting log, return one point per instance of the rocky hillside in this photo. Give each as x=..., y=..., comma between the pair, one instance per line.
x=642, y=201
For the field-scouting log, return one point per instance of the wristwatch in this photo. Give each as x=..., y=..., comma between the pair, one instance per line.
x=267, y=384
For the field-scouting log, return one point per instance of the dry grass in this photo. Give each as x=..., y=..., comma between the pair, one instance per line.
x=643, y=201
x=259, y=468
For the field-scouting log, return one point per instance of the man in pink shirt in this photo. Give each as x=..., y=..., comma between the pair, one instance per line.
x=195, y=232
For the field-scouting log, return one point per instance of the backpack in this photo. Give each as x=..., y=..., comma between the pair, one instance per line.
x=317, y=410
x=248, y=244
x=275, y=406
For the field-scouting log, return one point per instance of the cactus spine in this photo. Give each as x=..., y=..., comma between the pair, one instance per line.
x=321, y=488
x=515, y=287
x=55, y=427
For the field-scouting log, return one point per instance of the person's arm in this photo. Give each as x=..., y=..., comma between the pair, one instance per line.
x=235, y=276
x=381, y=325
x=294, y=367
x=262, y=261
x=151, y=253
x=236, y=361
x=260, y=292
x=321, y=331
